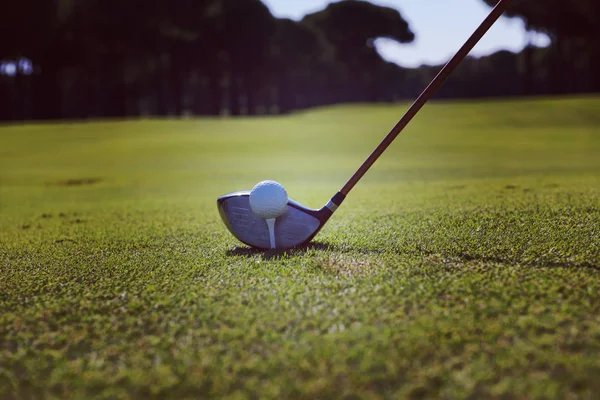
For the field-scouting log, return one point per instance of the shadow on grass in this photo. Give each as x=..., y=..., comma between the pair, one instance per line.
x=276, y=254
x=463, y=258
x=540, y=264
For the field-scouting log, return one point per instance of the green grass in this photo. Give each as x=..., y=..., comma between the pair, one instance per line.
x=466, y=264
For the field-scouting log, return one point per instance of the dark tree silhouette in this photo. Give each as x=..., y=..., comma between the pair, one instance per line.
x=37, y=36
x=590, y=12
x=243, y=29
x=299, y=55
x=189, y=45
x=352, y=27
x=111, y=38
x=116, y=58
x=566, y=23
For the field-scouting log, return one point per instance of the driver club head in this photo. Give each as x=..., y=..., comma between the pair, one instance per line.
x=296, y=226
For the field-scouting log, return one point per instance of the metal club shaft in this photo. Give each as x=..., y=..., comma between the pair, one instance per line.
x=428, y=93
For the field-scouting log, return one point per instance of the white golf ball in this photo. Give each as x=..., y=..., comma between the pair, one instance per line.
x=268, y=199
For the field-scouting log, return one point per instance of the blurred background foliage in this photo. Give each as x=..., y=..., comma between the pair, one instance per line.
x=75, y=59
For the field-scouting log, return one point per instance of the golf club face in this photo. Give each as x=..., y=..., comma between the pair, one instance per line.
x=296, y=226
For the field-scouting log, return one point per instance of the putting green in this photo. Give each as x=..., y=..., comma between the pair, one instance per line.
x=466, y=263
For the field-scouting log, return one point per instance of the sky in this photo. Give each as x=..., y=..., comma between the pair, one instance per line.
x=441, y=27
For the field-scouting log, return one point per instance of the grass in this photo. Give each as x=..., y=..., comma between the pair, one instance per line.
x=466, y=264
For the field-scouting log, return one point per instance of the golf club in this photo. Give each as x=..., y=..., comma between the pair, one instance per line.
x=299, y=224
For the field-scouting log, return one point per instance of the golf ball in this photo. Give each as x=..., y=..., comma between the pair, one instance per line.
x=268, y=199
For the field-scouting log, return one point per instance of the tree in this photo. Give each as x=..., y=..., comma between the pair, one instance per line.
x=355, y=46
x=565, y=22
x=299, y=55
x=30, y=29
x=590, y=10
x=241, y=29
x=110, y=37
x=189, y=42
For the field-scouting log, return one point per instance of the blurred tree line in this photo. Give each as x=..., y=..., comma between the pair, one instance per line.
x=571, y=64
x=117, y=58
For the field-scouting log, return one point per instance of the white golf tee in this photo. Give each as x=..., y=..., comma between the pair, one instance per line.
x=271, y=225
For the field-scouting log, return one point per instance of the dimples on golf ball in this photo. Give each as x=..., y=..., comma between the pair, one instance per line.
x=268, y=199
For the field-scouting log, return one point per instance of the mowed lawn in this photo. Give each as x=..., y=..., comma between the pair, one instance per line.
x=466, y=264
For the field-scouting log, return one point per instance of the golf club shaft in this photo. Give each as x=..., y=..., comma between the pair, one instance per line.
x=428, y=93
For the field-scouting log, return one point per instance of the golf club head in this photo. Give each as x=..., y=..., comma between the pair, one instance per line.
x=296, y=226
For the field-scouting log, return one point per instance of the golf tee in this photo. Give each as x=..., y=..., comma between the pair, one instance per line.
x=271, y=225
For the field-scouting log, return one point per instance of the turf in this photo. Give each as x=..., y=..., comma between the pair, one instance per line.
x=466, y=264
